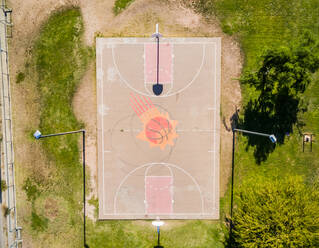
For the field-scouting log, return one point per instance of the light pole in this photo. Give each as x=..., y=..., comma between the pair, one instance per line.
x=38, y=135
x=272, y=138
x=158, y=223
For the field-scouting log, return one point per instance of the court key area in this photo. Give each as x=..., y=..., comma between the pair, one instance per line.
x=158, y=156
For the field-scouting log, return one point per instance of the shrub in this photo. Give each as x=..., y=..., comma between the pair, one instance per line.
x=277, y=214
x=20, y=77
x=6, y=211
x=4, y=186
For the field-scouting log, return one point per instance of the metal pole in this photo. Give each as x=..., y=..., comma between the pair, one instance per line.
x=232, y=189
x=158, y=235
x=232, y=177
x=84, y=201
x=59, y=134
x=251, y=132
x=157, y=72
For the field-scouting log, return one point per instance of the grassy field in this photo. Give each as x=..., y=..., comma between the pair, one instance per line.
x=60, y=59
x=261, y=25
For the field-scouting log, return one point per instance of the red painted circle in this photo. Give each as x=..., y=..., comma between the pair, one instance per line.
x=157, y=130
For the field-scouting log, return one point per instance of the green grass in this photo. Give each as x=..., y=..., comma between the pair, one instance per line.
x=60, y=61
x=39, y=223
x=199, y=234
x=120, y=5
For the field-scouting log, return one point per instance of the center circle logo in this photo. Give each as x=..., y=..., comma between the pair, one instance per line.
x=157, y=130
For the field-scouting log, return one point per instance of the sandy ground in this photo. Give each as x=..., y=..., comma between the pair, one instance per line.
x=84, y=105
x=138, y=20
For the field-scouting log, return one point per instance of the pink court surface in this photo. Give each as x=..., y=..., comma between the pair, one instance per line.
x=158, y=155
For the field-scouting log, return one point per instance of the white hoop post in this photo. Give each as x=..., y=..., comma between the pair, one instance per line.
x=156, y=34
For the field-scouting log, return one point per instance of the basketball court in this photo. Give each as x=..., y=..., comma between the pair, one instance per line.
x=158, y=155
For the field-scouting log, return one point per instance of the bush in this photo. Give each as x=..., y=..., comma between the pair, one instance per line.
x=6, y=211
x=4, y=186
x=277, y=214
x=20, y=77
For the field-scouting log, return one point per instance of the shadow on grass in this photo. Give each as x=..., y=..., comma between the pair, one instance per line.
x=277, y=119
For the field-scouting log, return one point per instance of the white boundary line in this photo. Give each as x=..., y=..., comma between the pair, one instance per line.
x=147, y=169
x=215, y=148
x=173, y=42
x=102, y=128
x=167, y=95
x=196, y=130
x=215, y=144
x=143, y=214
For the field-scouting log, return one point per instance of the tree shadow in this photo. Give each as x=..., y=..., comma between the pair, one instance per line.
x=277, y=117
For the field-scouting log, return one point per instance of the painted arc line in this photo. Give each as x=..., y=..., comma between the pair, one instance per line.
x=102, y=126
x=154, y=164
x=171, y=42
x=167, y=95
x=163, y=164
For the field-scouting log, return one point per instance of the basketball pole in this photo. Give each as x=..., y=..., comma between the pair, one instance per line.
x=157, y=69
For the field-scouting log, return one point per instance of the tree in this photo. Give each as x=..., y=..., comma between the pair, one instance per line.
x=284, y=213
x=282, y=77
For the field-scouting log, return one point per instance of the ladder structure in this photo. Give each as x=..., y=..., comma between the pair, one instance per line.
x=10, y=233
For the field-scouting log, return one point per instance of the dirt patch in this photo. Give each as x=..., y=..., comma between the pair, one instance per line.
x=97, y=15
x=51, y=208
x=232, y=62
x=84, y=106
